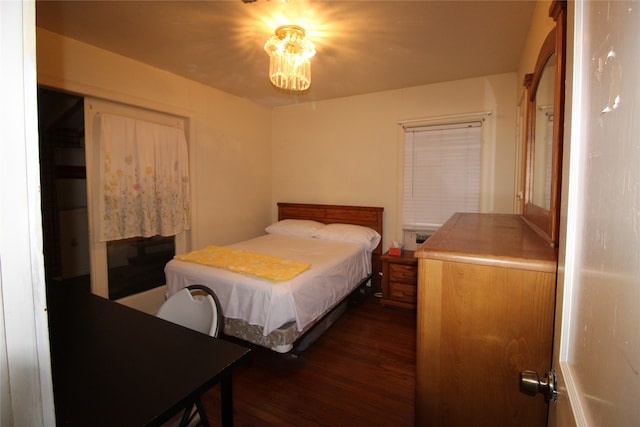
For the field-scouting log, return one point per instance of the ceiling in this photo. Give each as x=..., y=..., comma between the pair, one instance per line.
x=362, y=46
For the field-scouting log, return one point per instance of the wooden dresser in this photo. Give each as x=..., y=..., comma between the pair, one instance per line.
x=400, y=279
x=486, y=291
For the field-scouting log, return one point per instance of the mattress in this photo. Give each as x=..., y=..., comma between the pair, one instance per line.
x=336, y=269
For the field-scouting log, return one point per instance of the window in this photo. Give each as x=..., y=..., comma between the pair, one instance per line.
x=126, y=263
x=441, y=173
x=137, y=264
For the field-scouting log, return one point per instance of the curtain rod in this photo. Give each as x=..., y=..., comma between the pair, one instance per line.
x=450, y=116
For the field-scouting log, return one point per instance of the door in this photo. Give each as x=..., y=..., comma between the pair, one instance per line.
x=597, y=348
x=26, y=388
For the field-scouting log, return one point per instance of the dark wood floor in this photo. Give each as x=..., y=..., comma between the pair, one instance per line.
x=361, y=372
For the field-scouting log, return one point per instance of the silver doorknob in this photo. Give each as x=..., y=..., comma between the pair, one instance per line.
x=531, y=383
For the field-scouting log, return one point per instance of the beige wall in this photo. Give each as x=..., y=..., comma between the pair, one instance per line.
x=541, y=25
x=339, y=151
x=348, y=150
x=229, y=138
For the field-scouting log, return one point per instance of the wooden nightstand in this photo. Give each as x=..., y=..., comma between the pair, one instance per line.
x=400, y=280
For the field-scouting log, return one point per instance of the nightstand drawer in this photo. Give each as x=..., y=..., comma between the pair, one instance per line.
x=403, y=292
x=403, y=273
x=400, y=280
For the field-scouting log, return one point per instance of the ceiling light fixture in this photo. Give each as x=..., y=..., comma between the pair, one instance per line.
x=290, y=58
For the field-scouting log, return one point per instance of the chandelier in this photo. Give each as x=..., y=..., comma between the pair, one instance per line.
x=290, y=58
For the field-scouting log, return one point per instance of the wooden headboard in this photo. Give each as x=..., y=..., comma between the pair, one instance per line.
x=360, y=215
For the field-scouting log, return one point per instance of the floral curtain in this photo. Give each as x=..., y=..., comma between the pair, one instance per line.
x=144, y=179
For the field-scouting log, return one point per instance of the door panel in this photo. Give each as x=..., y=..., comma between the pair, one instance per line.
x=597, y=354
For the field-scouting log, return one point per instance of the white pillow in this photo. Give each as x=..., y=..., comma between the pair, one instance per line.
x=295, y=227
x=366, y=237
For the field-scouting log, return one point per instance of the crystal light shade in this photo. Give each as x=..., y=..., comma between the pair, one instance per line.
x=290, y=58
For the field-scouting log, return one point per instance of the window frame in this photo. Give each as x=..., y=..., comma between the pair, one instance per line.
x=98, y=250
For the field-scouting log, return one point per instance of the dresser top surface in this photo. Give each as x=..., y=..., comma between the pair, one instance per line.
x=492, y=238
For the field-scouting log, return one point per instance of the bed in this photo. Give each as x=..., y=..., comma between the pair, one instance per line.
x=339, y=248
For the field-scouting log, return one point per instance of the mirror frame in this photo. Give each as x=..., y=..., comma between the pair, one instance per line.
x=546, y=221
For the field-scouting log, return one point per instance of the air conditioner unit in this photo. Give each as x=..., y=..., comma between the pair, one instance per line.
x=414, y=238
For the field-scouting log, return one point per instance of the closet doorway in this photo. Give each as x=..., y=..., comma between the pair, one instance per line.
x=63, y=188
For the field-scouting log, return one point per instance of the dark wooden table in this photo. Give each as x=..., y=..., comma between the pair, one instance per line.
x=113, y=365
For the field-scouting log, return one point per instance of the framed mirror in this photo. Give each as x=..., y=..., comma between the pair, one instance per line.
x=543, y=136
x=545, y=108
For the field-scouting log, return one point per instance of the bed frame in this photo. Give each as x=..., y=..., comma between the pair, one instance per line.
x=287, y=338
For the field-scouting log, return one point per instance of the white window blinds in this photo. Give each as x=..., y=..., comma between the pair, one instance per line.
x=144, y=179
x=441, y=173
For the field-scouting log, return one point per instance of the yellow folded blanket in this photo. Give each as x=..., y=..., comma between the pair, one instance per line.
x=240, y=261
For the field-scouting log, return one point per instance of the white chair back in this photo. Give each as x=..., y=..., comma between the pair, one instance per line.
x=199, y=313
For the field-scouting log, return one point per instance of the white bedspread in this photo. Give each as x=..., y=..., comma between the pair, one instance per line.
x=336, y=269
